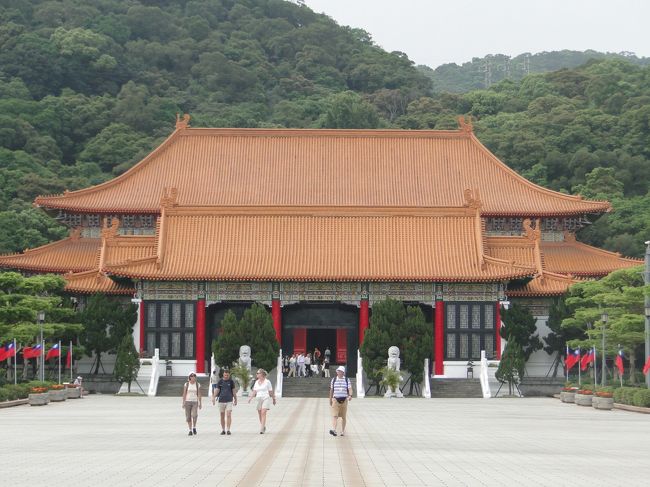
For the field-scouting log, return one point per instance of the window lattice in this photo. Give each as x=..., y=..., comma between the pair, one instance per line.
x=489, y=317
x=464, y=346
x=451, y=317
x=464, y=316
x=476, y=316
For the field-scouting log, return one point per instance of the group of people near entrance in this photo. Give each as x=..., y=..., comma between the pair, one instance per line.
x=309, y=364
x=224, y=394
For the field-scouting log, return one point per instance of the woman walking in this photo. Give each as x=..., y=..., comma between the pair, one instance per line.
x=191, y=402
x=263, y=392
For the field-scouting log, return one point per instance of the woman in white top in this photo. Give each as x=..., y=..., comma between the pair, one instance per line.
x=191, y=401
x=263, y=391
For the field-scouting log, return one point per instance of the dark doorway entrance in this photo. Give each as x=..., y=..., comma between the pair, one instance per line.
x=322, y=338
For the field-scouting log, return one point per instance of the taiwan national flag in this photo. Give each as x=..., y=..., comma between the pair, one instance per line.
x=646, y=367
x=10, y=350
x=54, y=352
x=68, y=357
x=3, y=353
x=572, y=358
x=587, y=359
x=619, y=362
x=32, y=352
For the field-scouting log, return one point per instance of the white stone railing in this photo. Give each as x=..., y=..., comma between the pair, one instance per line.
x=485, y=384
x=155, y=374
x=279, y=376
x=426, y=387
x=361, y=391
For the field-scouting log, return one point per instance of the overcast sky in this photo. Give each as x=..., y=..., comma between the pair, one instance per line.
x=435, y=32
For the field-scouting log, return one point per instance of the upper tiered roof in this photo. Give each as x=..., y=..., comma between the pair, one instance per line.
x=319, y=244
x=330, y=168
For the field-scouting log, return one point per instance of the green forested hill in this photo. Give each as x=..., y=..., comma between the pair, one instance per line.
x=87, y=87
x=481, y=73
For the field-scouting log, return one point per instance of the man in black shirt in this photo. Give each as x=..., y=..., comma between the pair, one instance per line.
x=226, y=392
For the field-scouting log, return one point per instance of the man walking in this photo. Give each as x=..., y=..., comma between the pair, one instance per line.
x=340, y=395
x=226, y=392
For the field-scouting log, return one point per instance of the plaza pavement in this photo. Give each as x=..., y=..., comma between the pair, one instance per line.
x=128, y=441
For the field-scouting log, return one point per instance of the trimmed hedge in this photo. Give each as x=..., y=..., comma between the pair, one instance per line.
x=11, y=392
x=641, y=398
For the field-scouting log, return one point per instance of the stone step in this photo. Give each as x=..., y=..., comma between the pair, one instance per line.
x=306, y=386
x=457, y=388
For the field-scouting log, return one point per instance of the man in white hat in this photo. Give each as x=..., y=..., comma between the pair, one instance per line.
x=340, y=394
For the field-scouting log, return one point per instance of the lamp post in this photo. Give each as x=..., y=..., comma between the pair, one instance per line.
x=604, y=318
x=646, y=280
x=41, y=318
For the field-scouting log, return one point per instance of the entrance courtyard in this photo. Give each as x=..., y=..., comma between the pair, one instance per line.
x=127, y=441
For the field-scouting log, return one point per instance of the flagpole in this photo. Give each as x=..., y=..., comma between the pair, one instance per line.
x=15, y=363
x=70, y=360
x=59, y=361
x=579, y=367
x=565, y=366
x=595, y=369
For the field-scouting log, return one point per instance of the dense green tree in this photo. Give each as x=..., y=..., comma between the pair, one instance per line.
x=255, y=329
x=127, y=362
x=106, y=322
x=511, y=366
x=391, y=324
x=519, y=326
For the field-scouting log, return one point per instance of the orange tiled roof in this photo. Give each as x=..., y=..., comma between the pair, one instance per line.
x=93, y=281
x=292, y=167
x=578, y=259
x=74, y=254
x=548, y=284
x=319, y=244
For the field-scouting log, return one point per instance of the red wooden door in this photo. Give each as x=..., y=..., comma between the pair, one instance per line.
x=299, y=340
x=341, y=345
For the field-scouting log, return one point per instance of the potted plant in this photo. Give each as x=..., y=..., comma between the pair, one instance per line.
x=391, y=380
x=567, y=394
x=38, y=396
x=603, y=399
x=57, y=393
x=242, y=375
x=583, y=397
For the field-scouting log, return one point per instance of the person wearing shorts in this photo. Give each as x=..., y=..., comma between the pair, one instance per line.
x=340, y=395
x=191, y=401
x=263, y=393
x=226, y=392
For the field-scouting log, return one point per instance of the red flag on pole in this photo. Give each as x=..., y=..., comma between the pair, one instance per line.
x=572, y=359
x=619, y=362
x=587, y=359
x=10, y=350
x=54, y=352
x=32, y=352
x=3, y=353
x=646, y=367
x=68, y=357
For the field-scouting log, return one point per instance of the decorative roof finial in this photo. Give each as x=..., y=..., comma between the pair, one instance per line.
x=472, y=199
x=465, y=125
x=182, y=123
x=530, y=232
x=109, y=233
x=169, y=199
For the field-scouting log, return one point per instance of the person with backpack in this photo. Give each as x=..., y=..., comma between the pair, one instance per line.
x=192, y=401
x=340, y=395
x=226, y=392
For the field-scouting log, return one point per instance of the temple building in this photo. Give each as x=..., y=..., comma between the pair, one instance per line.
x=318, y=225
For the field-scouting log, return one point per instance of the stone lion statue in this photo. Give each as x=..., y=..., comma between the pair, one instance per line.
x=393, y=358
x=245, y=356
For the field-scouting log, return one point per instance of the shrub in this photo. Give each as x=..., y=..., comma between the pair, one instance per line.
x=625, y=395
x=3, y=395
x=641, y=398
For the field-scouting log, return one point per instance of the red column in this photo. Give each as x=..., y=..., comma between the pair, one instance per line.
x=439, y=352
x=276, y=313
x=497, y=339
x=200, y=336
x=299, y=340
x=142, y=315
x=363, y=320
x=341, y=346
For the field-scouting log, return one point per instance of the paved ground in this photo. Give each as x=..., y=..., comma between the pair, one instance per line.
x=115, y=441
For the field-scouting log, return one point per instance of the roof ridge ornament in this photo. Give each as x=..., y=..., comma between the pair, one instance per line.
x=110, y=233
x=182, y=123
x=530, y=232
x=465, y=125
x=75, y=234
x=569, y=237
x=472, y=199
x=169, y=199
